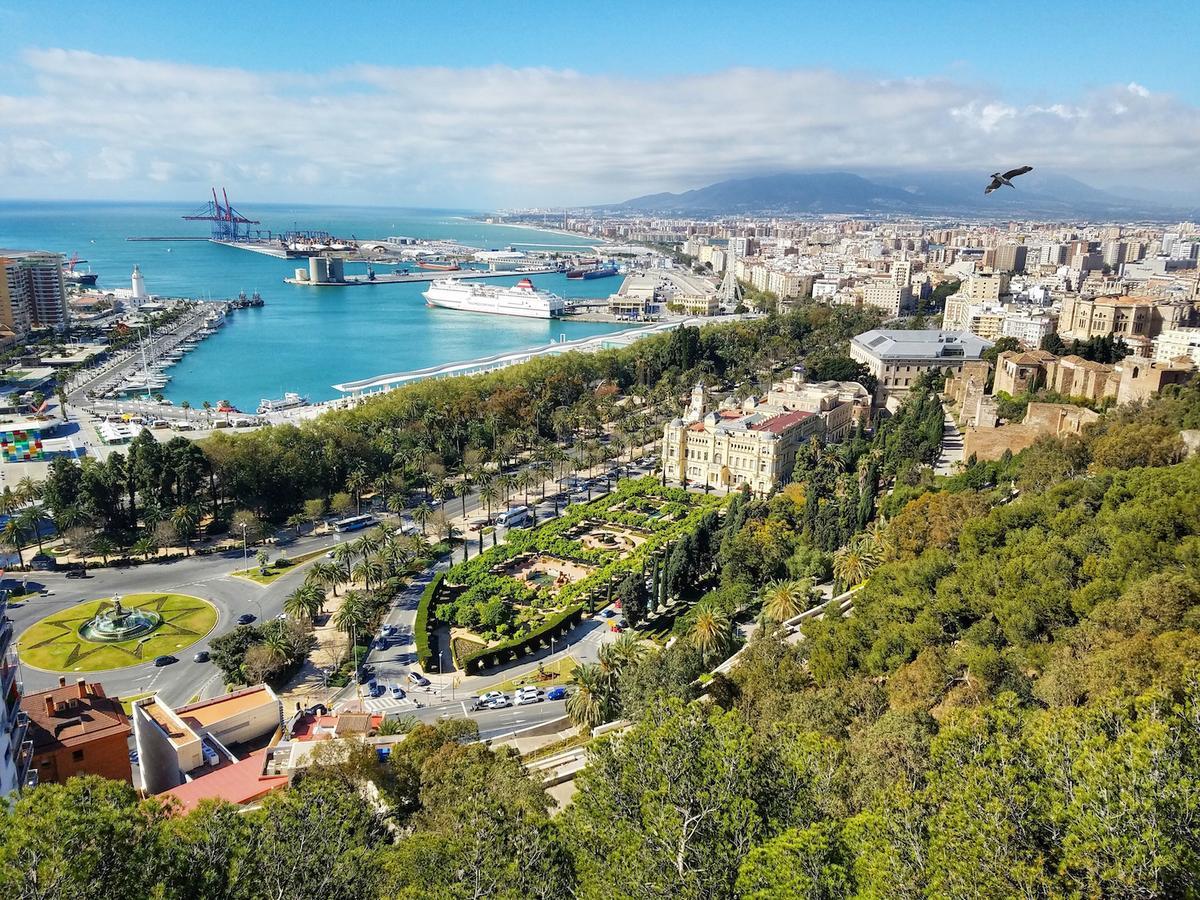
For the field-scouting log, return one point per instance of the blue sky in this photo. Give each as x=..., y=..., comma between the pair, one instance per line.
x=1107, y=91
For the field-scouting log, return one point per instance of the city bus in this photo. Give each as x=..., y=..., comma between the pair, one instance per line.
x=355, y=523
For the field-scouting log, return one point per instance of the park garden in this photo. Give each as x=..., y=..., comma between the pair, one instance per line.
x=513, y=598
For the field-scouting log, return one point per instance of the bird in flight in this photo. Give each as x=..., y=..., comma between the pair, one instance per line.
x=998, y=179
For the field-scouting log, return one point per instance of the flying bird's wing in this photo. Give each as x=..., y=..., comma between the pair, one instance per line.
x=1013, y=173
x=991, y=187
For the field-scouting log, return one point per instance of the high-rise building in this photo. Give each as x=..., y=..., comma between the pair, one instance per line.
x=32, y=292
x=16, y=748
x=1011, y=257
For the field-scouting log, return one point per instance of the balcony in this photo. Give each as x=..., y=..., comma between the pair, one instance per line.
x=25, y=777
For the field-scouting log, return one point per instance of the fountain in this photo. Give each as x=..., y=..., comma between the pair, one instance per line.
x=119, y=624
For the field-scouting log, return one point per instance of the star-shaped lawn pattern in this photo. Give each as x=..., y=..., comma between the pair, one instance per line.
x=66, y=630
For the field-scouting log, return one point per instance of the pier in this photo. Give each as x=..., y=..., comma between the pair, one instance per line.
x=430, y=275
x=382, y=383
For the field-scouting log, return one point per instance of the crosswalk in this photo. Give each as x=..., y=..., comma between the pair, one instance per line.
x=385, y=705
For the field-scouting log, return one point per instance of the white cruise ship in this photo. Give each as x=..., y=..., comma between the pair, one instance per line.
x=522, y=299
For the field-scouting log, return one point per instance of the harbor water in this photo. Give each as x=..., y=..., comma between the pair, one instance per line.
x=305, y=339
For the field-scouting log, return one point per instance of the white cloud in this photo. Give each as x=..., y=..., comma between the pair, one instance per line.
x=95, y=124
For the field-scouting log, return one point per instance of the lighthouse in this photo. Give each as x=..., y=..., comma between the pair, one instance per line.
x=138, y=296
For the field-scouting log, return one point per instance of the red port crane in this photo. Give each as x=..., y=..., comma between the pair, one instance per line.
x=224, y=217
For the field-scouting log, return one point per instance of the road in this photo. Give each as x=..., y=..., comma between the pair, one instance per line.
x=207, y=577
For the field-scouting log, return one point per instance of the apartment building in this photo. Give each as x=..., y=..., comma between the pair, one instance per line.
x=16, y=748
x=76, y=729
x=1175, y=343
x=177, y=746
x=32, y=291
x=888, y=296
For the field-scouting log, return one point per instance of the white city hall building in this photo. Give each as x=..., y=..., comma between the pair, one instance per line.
x=755, y=443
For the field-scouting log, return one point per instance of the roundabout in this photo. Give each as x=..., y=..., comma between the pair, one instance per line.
x=116, y=632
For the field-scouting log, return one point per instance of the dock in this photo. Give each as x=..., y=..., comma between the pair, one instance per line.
x=399, y=278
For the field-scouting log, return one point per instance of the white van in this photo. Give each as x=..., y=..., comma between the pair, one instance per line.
x=513, y=518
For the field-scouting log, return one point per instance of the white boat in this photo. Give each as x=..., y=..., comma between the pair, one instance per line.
x=522, y=299
x=290, y=400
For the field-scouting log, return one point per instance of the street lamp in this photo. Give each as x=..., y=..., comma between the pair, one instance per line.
x=245, y=552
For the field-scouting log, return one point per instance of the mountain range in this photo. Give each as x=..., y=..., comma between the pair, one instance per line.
x=1038, y=194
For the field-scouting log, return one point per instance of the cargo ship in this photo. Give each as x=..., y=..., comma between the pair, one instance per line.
x=522, y=299
x=71, y=276
x=438, y=266
x=582, y=274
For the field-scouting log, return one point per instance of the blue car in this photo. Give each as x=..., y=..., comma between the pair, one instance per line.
x=558, y=693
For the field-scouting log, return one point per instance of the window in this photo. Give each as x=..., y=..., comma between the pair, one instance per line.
x=77, y=755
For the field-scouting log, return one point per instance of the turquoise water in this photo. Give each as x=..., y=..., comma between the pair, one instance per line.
x=304, y=339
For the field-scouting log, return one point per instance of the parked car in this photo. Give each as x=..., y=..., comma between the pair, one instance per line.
x=375, y=689
x=164, y=660
x=525, y=696
x=556, y=693
x=201, y=656
x=398, y=692
x=78, y=573
x=245, y=619
x=418, y=679
x=500, y=702
x=490, y=695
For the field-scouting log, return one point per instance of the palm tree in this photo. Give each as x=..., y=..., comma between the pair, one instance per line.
x=396, y=557
x=185, y=520
x=439, y=491
x=421, y=515
x=343, y=557
x=187, y=409
x=880, y=537
x=783, y=600
x=305, y=602
x=508, y=481
x=144, y=546
x=854, y=563
x=352, y=614
x=356, y=482
x=461, y=489
x=369, y=571
x=326, y=574
x=627, y=650
x=28, y=489
x=710, y=631
x=13, y=533
x=489, y=493
x=371, y=541
x=103, y=546
x=277, y=641
x=591, y=703
x=31, y=520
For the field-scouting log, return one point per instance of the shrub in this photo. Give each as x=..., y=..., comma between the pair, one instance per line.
x=421, y=628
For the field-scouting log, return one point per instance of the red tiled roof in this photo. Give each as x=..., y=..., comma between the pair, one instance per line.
x=780, y=423
x=240, y=783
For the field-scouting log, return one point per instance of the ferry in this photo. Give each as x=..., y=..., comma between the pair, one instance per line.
x=288, y=401
x=522, y=299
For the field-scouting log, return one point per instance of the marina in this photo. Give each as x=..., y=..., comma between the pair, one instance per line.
x=304, y=341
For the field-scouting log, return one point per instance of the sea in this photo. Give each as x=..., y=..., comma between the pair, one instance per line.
x=304, y=339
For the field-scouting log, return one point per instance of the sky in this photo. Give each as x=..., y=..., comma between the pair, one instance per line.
x=487, y=105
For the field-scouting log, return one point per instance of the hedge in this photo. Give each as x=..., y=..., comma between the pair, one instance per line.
x=421, y=628
x=518, y=647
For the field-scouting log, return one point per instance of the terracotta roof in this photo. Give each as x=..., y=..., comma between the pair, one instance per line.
x=780, y=423
x=243, y=782
x=75, y=720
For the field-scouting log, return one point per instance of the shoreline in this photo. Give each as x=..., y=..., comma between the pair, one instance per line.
x=589, y=239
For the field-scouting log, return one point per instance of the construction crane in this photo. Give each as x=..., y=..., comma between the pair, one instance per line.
x=225, y=219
